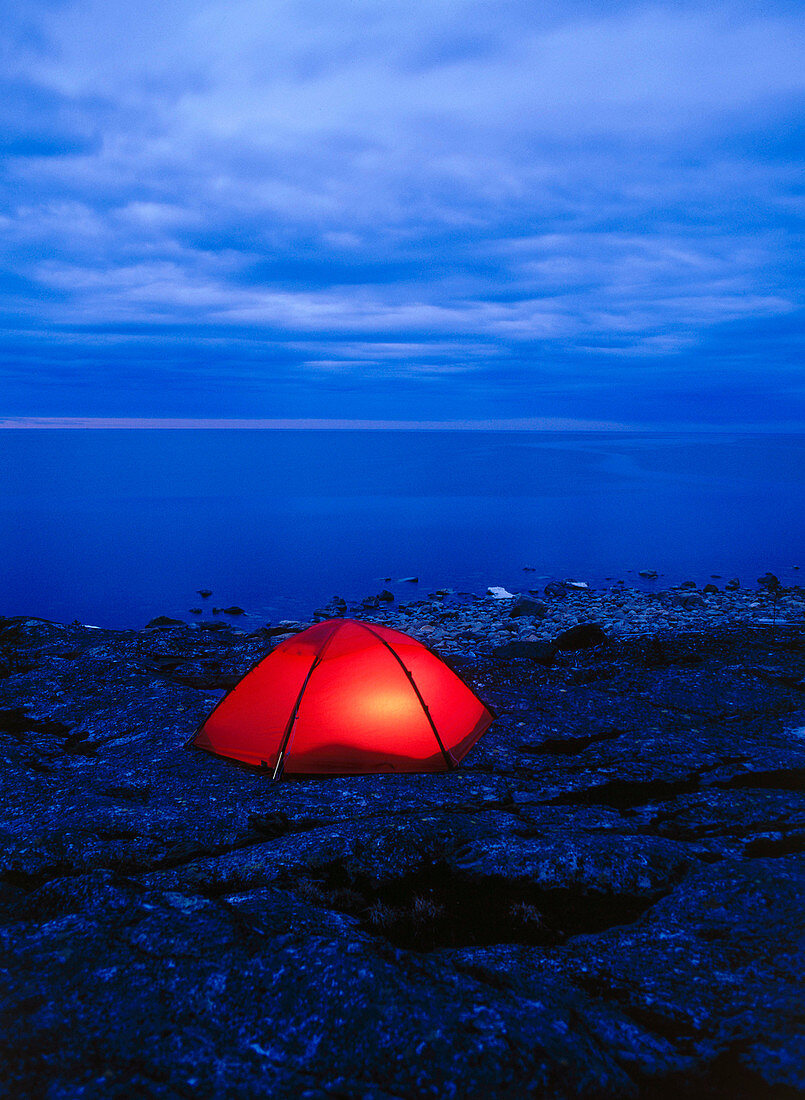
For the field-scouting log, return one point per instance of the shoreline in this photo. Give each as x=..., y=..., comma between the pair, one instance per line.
x=466, y=623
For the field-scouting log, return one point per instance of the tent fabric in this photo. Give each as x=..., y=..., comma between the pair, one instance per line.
x=346, y=697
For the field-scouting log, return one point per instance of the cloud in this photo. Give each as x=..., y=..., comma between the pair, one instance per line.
x=581, y=192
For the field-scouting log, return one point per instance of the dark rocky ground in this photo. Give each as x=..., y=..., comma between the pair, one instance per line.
x=605, y=900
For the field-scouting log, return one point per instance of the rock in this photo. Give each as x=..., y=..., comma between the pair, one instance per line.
x=386, y=596
x=499, y=593
x=577, y=584
x=165, y=620
x=733, y=585
x=769, y=582
x=523, y=605
x=603, y=900
x=649, y=574
x=688, y=584
x=195, y=611
x=234, y=610
x=710, y=589
x=529, y=569
x=556, y=589
x=409, y=580
x=204, y=592
x=544, y=653
x=581, y=636
x=692, y=600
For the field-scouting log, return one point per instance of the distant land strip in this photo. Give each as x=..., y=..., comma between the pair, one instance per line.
x=514, y=424
x=518, y=424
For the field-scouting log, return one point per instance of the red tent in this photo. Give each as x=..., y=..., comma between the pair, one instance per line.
x=345, y=698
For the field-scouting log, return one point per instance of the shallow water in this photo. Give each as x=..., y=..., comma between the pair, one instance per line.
x=116, y=526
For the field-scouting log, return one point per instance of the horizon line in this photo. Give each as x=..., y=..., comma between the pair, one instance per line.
x=311, y=423
x=513, y=424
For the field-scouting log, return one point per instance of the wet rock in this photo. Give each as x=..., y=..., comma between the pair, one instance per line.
x=648, y=574
x=499, y=593
x=710, y=589
x=234, y=610
x=385, y=596
x=692, y=601
x=688, y=584
x=769, y=582
x=205, y=592
x=733, y=585
x=524, y=605
x=195, y=611
x=581, y=636
x=165, y=620
x=555, y=589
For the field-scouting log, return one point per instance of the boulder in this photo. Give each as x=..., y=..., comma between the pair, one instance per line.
x=732, y=585
x=649, y=574
x=581, y=636
x=692, y=600
x=165, y=620
x=524, y=605
x=769, y=582
x=556, y=589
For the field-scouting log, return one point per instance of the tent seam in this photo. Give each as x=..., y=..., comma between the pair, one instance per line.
x=448, y=758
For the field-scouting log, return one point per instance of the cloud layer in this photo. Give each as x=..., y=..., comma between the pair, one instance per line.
x=342, y=207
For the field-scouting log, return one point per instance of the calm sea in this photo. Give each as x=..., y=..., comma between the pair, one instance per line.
x=114, y=527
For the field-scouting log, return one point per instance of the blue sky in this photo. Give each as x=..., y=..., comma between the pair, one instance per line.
x=402, y=209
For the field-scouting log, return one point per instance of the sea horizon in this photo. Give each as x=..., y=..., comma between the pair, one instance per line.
x=502, y=424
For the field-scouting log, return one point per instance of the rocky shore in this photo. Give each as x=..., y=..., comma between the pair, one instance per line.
x=605, y=900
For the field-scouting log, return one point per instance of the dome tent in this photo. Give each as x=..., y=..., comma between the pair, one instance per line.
x=347, y=698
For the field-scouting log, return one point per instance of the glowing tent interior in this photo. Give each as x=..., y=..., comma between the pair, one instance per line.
x=347, y=698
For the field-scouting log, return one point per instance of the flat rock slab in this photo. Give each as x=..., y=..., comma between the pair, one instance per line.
x=604, y=900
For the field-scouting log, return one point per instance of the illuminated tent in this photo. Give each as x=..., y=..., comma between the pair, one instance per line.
x=346, y=698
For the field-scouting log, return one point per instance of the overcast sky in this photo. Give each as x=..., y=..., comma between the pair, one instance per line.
x=402, y=209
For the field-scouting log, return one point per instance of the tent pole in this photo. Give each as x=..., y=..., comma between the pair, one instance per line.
x=280, y=764
x=447, y=757
x=277, y=774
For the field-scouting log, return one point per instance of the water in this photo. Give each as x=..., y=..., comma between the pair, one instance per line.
x=115, y=527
